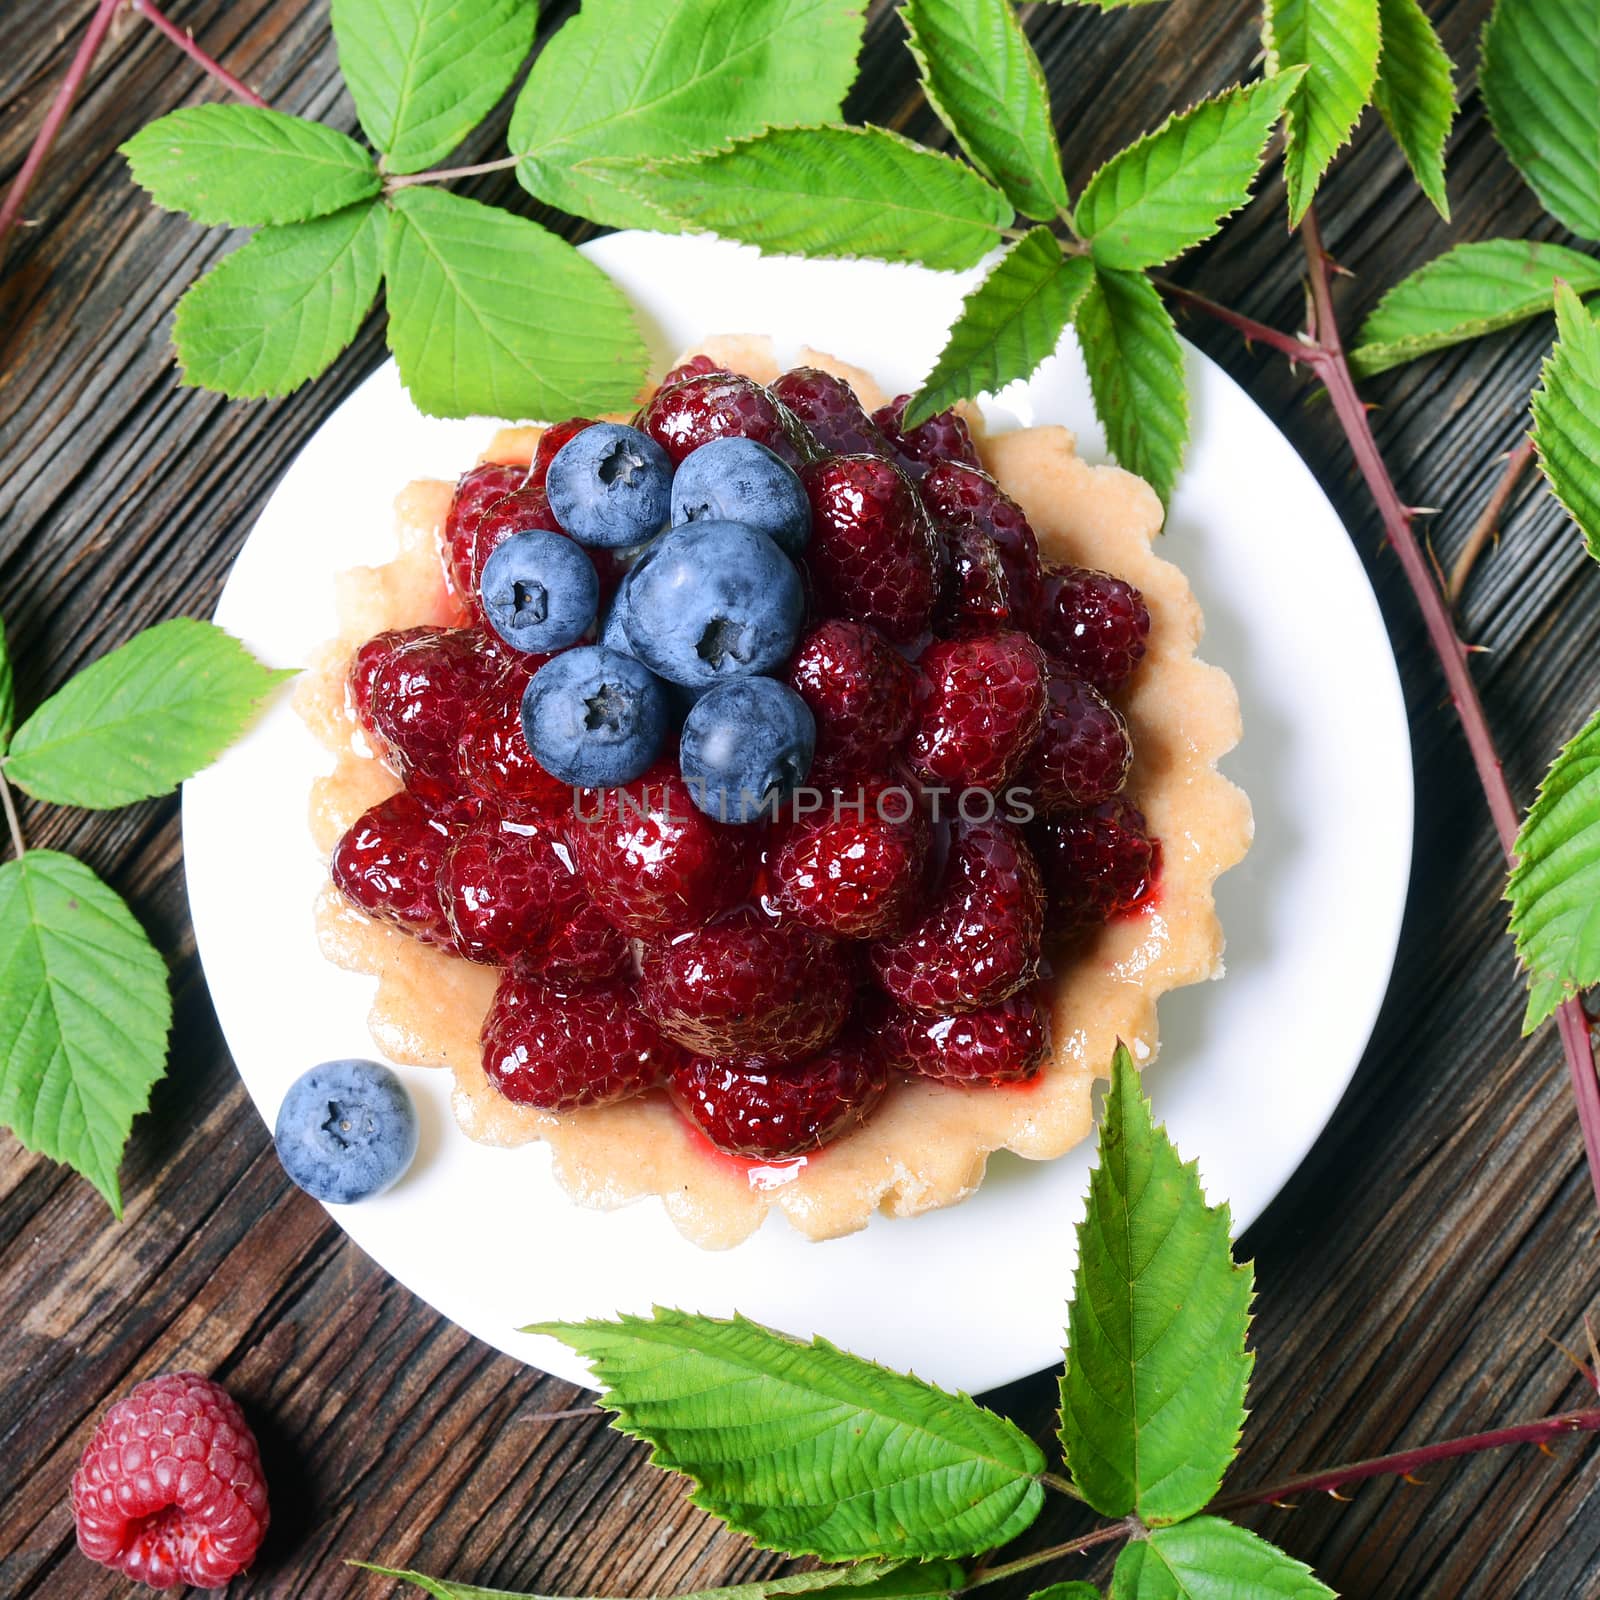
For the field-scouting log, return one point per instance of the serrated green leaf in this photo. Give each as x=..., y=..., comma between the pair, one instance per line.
x=831, y=191
x=8, y=692
x=280, y=308
x=1136, y=375
x=1172, y=189
x=425, y=73
x=1209, y=1559
x=246, y=167
x=1540, y=77
x=658, y=79
x=1336, y=41
x=83, y=1031
x=141, y=719
x=807, y=1449
x=1077, y=1589
x=491, y=314
x=1566, y=415
x=1415, y=93
x=1008, y=324
x=1152, y=1397
x=981, y=77
x=1467, y=292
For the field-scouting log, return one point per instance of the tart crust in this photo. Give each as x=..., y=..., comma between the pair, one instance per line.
x=928, y=1144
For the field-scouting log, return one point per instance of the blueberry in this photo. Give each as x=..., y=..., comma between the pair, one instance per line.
x=594, y=717
x=740, y=480
x=715, y=601
x=610, y=486
x=540, y=591
x=745, y=746
x=346, y=1130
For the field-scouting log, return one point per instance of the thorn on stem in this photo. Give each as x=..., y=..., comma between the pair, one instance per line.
x=1545, y=1450
x=1343, y=1499
x=1414, y=1480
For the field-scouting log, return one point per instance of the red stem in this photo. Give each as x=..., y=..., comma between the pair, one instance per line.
x=1256, y=332
x=185, y=42
x=1488, y=523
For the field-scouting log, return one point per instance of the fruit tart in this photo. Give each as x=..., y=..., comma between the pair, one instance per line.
x=769, y=805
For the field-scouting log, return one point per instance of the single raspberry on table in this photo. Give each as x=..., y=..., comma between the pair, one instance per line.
x=872, y=556
x=747, y=985
x=559, y=1048
x=364, y=665
x=962, y=495
x=1097, y=864
x=697, y=366
x=833, y=416
x=1003, y=1043
x=750, y=1108
x=682, y=416
x=550, y=443
x=1098, y=625
x=170, y=1488
x=586, y=949
x=1083, y=751
x=980, y=705
x=979, y=942
x=476, y=491
x=859, y=689
x=943, y=437
x=975, y=593
x=493, y=755
x=855, y=870
x=387, y=864
x=508, y=888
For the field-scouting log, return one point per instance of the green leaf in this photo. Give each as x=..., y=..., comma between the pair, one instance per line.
x=1136, y=375
x=138, y=721
x=981, y=76
x=1566, y=416
x=1540, y=77
x=425, y=73
x=1467, y=292
x=1152, y=1398
x=831, y=191
x=1008, y=324
x=279, y=309
x=1209, y=1559
x=1336, y=41
x=246, y=167
x=1171, y=189
x=1416, y=94
x=83, y=1032
x=8, y=692
x=656, y=79
x=1077, y=1589
x=807, y=1449
x=492, y=314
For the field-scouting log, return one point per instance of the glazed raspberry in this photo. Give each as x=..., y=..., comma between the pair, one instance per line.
x=1097, y=624
x=1004, y=1043
x=856, y=870
x=872, y=556
x=944, y=437
x=859, y=689
x=476, y=491
x=698, y=366
x=833, y=416
x=559, y=1049
x=979, y=942
x=980, y=704
x=170, y=1488
x=1096, y=864
x=959, y=495
x=1083, y=751
x=550, y=441
x=747, y=986
x=586, y=950
x=775, y=1113
x=387, y=864
x=652, y=861
x=364, y=665
x=712, y=405
x=507, y=888
x=522, y=511
x=493, y=755
x=975, y=594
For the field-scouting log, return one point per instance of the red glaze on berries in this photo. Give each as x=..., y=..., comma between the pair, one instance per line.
x=717, y=405
x=587, y=949
x=507, y=888
x=364, y=665
x=831, y=413
x=493, y=755
x=851, y=871
x=944, y=437
x=1098, y=625
x=1083, y=751
x=550, y=443
x=1003, y=1043
x=959, y=495
x=387, y=864
x=697, y=366
x=859, y=689
x=980, y=705
x=1096, y=864
x=975, y=595
x=475, y=492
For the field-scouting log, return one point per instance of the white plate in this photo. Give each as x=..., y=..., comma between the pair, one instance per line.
x=973, y=1296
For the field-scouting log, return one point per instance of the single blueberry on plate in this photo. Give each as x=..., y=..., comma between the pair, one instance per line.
x=610, y=486
x=594, y=717
x=715, y=601
x=540, y=591
x=741, y=480
x=346, y=1130
x=745, y=746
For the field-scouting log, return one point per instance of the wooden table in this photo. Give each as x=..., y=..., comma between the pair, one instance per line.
x=1413, y=1275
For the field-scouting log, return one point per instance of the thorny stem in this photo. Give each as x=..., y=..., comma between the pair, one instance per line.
x=406, y=180
x=8, y=804
x=1007, y=1569
x=185, y=42
x=1488, y=524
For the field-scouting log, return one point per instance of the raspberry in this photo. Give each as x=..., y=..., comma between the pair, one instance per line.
x=493, y=755
x=170, y=1488
x=747, y=986
x=652, y=861
x=959, y=495
x=852, y=872
x=944, y=437
x=699, y=366
x=561, y=1048
x=387, y=864
x=872, y=556
x=364, y=665
x=1097, y=624
x=980, y=704
x=507, y=888
x=979, y=942
x=586, y=950
x=859, y=690
x=1097, y=864
x=522, y=511
x=1003, y=1043
x=550, y=441
x=476, y=491
x=1083, y=751
x=751, y=1108
x=712, y=405
x=975, y=592
x=833, y=416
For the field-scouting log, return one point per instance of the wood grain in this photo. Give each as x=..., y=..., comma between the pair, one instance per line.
x=1414, y=1273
